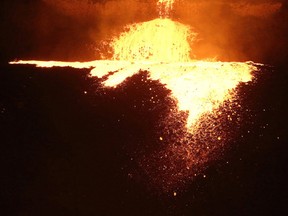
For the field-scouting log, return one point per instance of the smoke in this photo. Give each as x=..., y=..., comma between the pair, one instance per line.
x=103, y=19
x=75, y=30
x=235, y=30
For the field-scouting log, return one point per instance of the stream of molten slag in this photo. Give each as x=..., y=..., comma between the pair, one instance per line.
x=165, y=7
x=162, y=47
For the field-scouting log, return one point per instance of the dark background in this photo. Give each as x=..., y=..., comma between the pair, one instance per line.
x=67, y=152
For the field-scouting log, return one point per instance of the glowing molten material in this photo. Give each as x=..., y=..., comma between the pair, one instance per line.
x=162, y=48
x=161, y=40
x=199, y=87
x=164, y=7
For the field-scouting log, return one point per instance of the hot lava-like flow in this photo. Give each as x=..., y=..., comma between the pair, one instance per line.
x=145, y=41
x=162, y=47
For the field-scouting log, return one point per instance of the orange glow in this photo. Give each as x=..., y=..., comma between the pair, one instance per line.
x=161, y=40
x=162, y=48
x=258, y=10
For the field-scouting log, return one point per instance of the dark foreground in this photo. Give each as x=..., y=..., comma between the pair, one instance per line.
x=66, y=147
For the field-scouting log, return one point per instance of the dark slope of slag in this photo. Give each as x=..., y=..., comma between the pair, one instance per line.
x=68, y=148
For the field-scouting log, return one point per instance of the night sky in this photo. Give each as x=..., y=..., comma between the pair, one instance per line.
x=68, y=145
